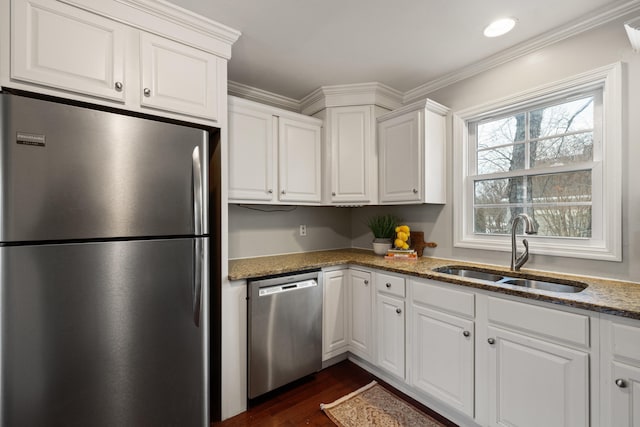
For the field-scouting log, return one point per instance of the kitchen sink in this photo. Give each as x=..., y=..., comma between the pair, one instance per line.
x=470, y=273
x=545, y=284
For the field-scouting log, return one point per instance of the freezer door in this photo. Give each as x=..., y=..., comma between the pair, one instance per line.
x=74, y=173
x=103, y=334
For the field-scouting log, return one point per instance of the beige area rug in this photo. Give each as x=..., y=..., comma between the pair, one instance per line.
x=372, y=405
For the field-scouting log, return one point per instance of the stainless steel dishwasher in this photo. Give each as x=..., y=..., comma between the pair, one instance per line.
x=284, y=330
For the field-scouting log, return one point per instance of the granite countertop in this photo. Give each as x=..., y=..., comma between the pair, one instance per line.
x=602, y=295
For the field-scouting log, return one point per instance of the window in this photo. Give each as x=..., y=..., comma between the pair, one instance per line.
x=553, y=153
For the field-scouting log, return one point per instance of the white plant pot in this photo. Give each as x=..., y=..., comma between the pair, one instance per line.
x=380, y=246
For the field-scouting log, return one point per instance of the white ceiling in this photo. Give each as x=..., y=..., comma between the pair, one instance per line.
x=292, y=47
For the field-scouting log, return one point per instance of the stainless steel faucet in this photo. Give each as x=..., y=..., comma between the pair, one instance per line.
x=529, y=228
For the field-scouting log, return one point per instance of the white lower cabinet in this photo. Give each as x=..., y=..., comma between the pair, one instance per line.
x=621, y=372
x=361, y=314
x=625, y=395
x=390, y=334
x=536, y=383
x=335, y=337
x=442, y=343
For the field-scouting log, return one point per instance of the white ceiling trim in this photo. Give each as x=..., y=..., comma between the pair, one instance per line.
x=585, y=23
x=254, y=94
x=573, y=28
x=372, y=93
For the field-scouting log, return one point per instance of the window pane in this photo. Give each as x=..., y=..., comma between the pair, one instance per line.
x=501, y=159
x=499, y=191
x=561, y=151
x=494, y=220
x=570, y=187
x=501, y=132
x=562, y=118
x=563, y=221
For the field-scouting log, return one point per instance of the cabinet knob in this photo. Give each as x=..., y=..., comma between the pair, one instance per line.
x=147, y=92
x=415, y=191
x=118, y=86
x=398, y=310
x=621, y=383
x=270, y=191
x=366, y=282
x=283, y=192
x=388, y=285
x=491, y=341
x=333, y=193
x=466, y=333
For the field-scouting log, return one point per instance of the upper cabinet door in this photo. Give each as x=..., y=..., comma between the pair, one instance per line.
x=401, y=159
x=352, y=154
x=179, y=78
x=64, y=48
x=251, y=155
x=299, y=161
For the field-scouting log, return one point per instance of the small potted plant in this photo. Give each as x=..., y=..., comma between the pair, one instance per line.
x=383, y=228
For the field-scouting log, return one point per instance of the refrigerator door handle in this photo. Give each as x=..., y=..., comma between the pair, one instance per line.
x=196, y=291
x=197, y=191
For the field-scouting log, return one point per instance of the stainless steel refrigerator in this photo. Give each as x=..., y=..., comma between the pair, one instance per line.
x=103, y=268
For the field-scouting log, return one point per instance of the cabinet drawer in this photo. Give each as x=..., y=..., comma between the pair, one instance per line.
x=393, y=285
x=443, y=298
x=626, y=341
x=568, y=327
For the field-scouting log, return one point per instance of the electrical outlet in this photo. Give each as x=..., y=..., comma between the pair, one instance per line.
x=303, y=230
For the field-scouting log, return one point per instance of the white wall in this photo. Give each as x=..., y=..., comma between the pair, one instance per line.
x=253, y=232
x=587, y=51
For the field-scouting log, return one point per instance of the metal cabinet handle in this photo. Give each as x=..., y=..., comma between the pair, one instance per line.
x=415, y=191
x=147, y=92
x=466, y=333
x=621, y=383
x=491, y=341
x=388, y=285
x=366, y=282
x=118, y=86
x=398, y=310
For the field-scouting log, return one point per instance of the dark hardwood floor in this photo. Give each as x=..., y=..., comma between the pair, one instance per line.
x=299, y=403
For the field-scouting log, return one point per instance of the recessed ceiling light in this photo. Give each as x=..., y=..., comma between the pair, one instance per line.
x=499, y=27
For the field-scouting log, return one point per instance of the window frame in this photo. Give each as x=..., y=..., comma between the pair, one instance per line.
x=606, y=241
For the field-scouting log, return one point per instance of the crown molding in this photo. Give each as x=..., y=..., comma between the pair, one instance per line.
x=423, y=104
x=247, y=92
x=585, y=23
x=372, y=93
x=185, y=18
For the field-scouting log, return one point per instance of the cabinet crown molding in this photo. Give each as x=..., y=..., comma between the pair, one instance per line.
x=372, y=93
x=425, y=104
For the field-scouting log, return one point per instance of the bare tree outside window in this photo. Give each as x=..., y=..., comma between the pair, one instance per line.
x=536, y=161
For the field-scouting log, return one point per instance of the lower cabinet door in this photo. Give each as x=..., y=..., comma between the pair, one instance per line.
x=390, y=334
x=360, y=330
x=625, y=396
x=443, y=357
x=335, y=337
x=535, y=383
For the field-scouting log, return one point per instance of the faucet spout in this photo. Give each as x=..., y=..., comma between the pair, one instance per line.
x=518, y=261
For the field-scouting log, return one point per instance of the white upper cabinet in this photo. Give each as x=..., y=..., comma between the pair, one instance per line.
x=179, y=78
x=351, y=151
x=300, y=162
x=99, y=52
x=274, y=155
x=66, y=48
x=411, y=152
x=252, y=154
